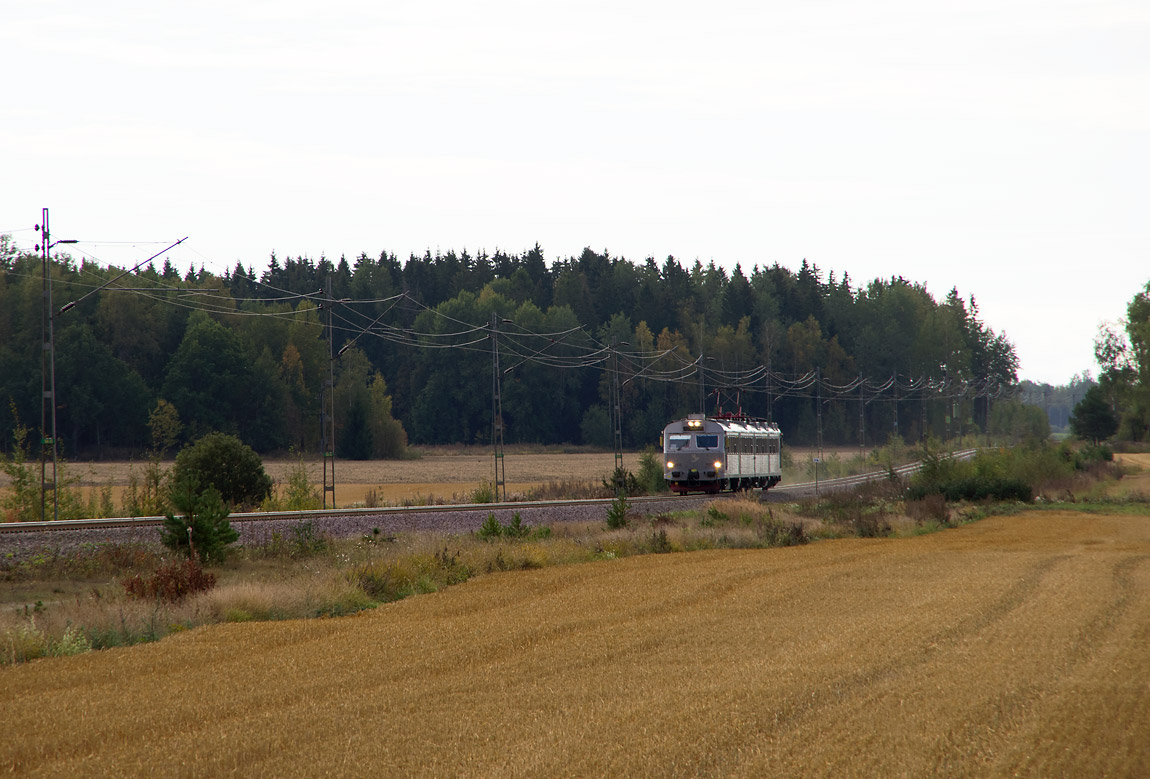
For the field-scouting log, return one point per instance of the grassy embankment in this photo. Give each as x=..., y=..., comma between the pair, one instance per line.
x=53, y=603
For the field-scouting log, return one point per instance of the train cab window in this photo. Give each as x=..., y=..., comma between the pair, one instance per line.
x=677, y=442
x=707, y=441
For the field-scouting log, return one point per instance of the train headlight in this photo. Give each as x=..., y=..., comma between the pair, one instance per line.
x=718, y=464
x=670, y=464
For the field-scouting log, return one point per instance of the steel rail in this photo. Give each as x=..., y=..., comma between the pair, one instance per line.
x=280, y=516
x=299, y=516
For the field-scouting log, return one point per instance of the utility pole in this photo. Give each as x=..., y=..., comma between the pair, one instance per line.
x=862, y=429
x=770, y=395
x=922, y=402
x=327, y=419
x=819, y=410
x=497, y=412
x=617, y=416
x=47, y=379
x=702, y=390
x=894, y=383
x=48, y=438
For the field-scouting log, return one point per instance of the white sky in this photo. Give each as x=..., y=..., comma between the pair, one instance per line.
x=1001, y=147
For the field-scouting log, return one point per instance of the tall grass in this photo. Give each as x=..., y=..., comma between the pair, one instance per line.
x=300, y=573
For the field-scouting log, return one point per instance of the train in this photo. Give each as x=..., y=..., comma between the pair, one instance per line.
x=720, y=453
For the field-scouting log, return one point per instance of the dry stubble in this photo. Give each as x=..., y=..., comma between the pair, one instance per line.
x=1016, y=645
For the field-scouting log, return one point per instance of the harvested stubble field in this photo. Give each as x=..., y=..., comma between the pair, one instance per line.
x=1014, y=645
x=442, y=473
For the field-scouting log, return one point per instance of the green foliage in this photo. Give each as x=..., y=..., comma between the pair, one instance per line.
x=1016, y=422
x=302, y=541
x=21, y=502
x=202, y=512
x=595, y=428
x=484, y=493
x=146, y=495
x=621, y=481
x=493, y=529
x=619, y=512
x=299, y=494
x=1004, y=475
x=650, y=479
x=419, y=574
x=165, y=425
x=305, y=541
x=1093, y=418
x=713, y=516
x=28, y=641
x=262, y=377
x=228, y=465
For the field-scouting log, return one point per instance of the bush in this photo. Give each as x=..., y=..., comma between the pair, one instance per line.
x=299, y=494
x=618, y=513
x=202, y=524
x=1004, y=475
x=171, y=582
x=621, y=479
x=775, y=533
x=929, y=508
x=227, y=464
x=492, y=529
x=650, y=479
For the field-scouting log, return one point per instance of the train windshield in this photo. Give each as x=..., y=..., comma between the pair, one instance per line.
x=706, y=441
x=677, y=442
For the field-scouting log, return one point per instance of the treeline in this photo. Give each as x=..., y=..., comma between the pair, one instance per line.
x=1119, y=405
x=247, y=353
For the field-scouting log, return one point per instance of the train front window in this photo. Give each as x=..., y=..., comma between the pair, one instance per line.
x=677, y=442
x=706, y=441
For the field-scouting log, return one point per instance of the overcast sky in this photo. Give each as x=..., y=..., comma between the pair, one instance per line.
x=1001, y=147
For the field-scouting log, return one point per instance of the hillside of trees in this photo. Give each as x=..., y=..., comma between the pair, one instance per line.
x=412, y=354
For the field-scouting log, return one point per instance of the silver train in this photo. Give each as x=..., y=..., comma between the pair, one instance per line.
x=726, y=452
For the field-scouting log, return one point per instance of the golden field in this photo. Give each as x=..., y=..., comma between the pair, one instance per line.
x=441, y=473
x=1011, y=646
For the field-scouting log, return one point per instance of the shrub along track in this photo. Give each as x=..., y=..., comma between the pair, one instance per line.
x=1013, y=645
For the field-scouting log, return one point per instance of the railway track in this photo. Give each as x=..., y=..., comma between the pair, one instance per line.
x=402, y=514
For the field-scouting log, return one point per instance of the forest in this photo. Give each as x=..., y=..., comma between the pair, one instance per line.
x=427, y=351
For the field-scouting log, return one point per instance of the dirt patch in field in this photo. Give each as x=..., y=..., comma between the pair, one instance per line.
x=1012, y=646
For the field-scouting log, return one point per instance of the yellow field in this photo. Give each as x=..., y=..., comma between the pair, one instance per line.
x=443, y=473
x=1011, y=646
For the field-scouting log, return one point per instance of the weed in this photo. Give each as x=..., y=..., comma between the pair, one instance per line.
x=172, y=582
x=774, y=533
x=659, y=543
x=306, y=542
x=930, y=508
x=713, y=516
x=484, y=493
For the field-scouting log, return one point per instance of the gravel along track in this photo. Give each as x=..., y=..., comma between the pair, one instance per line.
x=17, y=546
